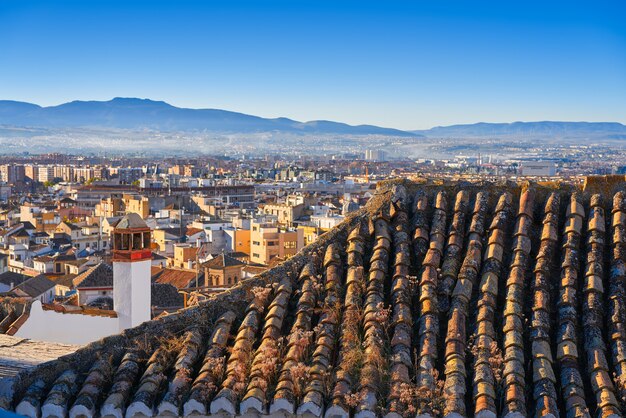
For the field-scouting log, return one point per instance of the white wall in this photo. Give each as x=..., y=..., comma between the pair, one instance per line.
x=66, y=328
x=132, y=292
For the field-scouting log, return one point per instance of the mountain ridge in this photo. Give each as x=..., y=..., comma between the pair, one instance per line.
x=146, y=114
x=134, y=113
x=554, y=128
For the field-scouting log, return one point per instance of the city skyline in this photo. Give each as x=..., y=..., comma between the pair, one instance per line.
x=396, y=65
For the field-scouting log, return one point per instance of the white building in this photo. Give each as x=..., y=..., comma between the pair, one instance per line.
x=326, y=222
x=45, y=173
x=375, y=155
x=538, y=168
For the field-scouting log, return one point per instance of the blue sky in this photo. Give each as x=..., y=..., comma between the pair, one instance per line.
x=402, y=64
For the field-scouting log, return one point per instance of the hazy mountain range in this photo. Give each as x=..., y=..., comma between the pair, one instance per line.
x=528, y=129
x=143, y=114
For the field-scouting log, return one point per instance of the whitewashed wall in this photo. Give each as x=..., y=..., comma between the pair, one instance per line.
x=66, y=328
x=132, y=292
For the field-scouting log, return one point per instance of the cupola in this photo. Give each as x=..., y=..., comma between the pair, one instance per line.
x=131, y=239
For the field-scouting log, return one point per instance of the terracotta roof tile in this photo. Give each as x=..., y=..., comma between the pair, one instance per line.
x=498, y=276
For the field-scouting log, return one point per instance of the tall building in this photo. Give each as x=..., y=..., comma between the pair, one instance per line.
x=375, y=155
x=64, y=172
x=83, y=174
x=129, y=175
x=12, y=173
x=45, y=173
x=31, y=172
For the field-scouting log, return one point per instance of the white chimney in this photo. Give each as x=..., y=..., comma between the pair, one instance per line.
x=132, y=262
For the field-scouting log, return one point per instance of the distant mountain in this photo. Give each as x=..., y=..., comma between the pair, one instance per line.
x=528, y=129
x=144, y=114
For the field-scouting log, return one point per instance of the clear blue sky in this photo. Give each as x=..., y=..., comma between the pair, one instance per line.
x=408, y=65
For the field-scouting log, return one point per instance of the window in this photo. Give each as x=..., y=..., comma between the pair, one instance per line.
x=254, y=243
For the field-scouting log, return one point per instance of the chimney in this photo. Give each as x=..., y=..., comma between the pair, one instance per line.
x=132, y=262
x=189, y=264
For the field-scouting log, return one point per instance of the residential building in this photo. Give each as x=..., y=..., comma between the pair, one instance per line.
x=31, y=172
x=44, y=217
x=238, y=240
x=94, y=283
x=45, y=173
x=184, y=255
x=268, y=241
x=10, y=279
x=12, y=173
x=128, y=175
x=165, y=238
x=36, y=288
x=120, y=206
x=375, y=155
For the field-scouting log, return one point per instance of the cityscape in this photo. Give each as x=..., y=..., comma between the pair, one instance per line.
x=241, y=209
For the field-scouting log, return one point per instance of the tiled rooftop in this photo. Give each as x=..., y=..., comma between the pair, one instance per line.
x=98, y=276
x=450, y=300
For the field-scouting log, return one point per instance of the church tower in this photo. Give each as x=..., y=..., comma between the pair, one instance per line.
x=132, y=260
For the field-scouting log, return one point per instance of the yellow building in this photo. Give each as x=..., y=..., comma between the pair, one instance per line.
x=267, y=242
x=43, y=218
x=184, y=255
x=311, y=233
x=240, y=240
x=128, y=203
x=137, y=204
x=293, y=208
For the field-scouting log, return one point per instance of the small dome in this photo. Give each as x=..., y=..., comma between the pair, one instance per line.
x=131, y=221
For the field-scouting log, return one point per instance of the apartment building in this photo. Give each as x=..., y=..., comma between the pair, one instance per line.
x=12, y=173
x=45, y=173
x=184, y=255
x=44, y=218
x=120, y=206
x=268, y=241
x=293, y=208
